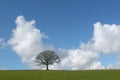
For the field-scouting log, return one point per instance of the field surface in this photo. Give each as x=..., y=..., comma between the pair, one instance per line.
x=59, y=75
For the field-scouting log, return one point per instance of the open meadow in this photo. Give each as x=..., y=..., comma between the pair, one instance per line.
x=60, y=75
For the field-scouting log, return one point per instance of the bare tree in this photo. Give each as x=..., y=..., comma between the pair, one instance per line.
x=46, y=58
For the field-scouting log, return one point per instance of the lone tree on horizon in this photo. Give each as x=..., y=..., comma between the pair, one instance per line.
x=47, y=58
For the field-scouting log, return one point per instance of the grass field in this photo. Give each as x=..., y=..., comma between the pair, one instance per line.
x=59, y=75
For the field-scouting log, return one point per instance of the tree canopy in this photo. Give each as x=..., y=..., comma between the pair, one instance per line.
x=46, y=58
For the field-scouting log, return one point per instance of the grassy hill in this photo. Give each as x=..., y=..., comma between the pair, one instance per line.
x=60, y=75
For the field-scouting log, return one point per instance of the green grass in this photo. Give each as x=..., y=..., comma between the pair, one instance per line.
x=60, y=75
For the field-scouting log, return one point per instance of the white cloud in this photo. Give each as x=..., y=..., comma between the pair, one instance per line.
x=26, y=40
x=76, y=59
x=106, y=38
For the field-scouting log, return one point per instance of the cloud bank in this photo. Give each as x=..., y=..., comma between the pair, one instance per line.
x=27, y=42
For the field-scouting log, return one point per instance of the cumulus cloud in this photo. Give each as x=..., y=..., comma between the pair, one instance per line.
x=106, y=38
x=81, y=59
x=26, y=40
x=77, y=59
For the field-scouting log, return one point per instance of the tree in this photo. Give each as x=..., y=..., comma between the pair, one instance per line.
x=47, y=58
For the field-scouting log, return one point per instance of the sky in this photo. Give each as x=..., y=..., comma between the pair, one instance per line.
x=85, y=34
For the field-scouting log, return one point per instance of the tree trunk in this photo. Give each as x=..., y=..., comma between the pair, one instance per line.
x=47, y=67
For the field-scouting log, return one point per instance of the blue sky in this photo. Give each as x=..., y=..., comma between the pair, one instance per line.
x=67, y=23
